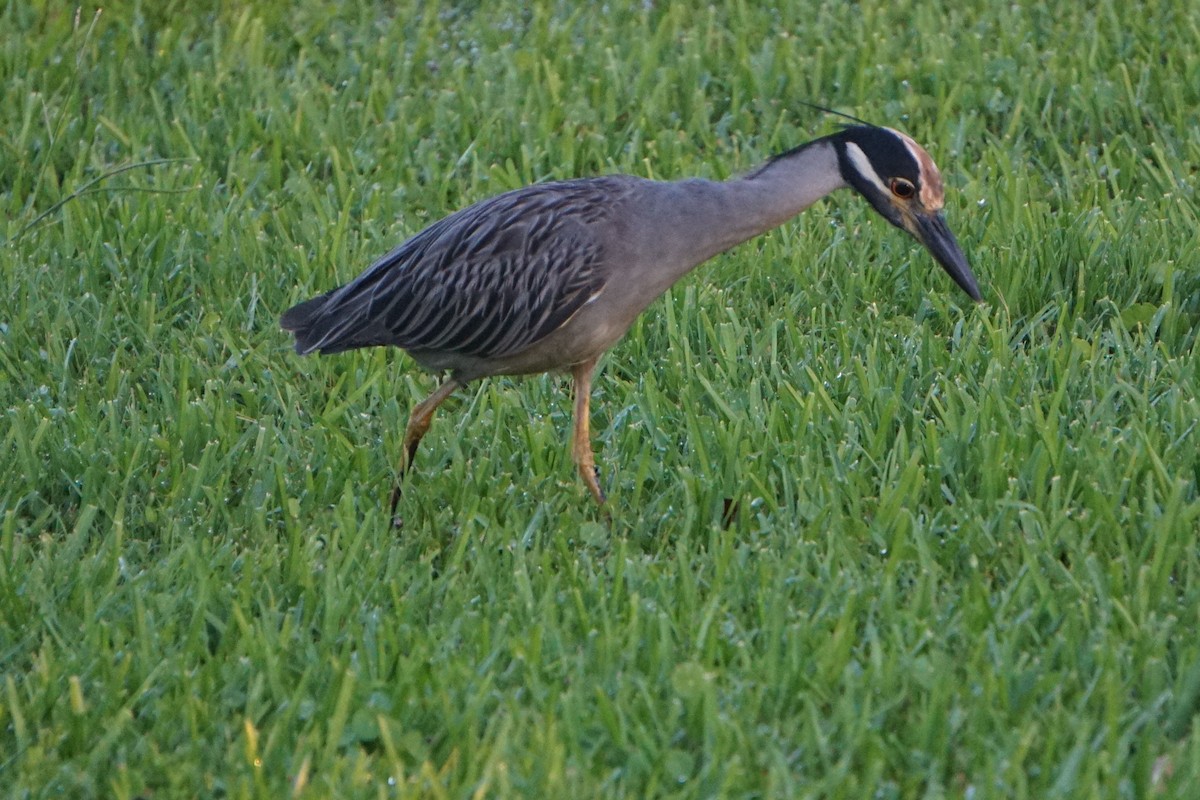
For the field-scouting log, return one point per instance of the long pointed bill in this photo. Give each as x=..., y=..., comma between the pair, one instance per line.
x=933, y=232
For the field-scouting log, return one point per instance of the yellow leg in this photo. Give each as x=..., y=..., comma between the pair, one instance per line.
x=581, y=446
x=418, y=425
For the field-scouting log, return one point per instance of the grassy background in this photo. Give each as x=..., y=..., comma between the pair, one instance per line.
x=963, y=555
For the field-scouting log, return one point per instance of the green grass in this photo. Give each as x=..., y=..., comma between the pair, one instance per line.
x=962, y=557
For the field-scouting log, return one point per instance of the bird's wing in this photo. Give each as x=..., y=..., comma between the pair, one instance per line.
x=487, y=281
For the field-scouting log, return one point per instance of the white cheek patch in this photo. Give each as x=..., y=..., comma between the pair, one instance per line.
x=863, y=165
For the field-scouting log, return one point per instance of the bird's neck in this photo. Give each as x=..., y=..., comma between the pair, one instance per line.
x=712, y=217
x=783, y=187
x=685, y=223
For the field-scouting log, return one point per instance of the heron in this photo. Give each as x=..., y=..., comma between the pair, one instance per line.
x=548, y=277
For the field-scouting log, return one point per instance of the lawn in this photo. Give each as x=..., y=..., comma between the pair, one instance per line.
x=867, y=539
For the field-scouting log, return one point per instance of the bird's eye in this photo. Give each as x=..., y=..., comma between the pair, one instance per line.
x=902, y=188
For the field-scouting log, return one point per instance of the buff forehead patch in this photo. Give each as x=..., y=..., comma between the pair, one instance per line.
x=933, y=196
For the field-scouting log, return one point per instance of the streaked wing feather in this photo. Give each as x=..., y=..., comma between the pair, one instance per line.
x=487, y=281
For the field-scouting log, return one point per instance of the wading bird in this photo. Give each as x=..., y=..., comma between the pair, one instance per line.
x=550, y=276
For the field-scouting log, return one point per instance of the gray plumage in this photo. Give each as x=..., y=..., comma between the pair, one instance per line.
x=484, y=283
x=550, y=276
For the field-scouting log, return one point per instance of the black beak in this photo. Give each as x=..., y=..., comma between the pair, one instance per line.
x=932, y=231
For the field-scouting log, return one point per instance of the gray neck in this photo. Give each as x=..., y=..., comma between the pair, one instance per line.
x=793, y=182
x=702, y=218
x=673, y=227
x=779, y=190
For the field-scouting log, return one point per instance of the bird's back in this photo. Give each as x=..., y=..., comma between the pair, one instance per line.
x=484, y=282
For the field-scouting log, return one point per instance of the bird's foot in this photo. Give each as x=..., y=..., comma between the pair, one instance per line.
x=397, y=520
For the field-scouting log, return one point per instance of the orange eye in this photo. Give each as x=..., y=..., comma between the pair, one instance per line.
x=902, y=188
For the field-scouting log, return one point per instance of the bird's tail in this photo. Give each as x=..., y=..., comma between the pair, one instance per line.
x=300, y=319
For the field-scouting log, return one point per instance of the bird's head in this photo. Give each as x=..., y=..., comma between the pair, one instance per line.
x=903, y=184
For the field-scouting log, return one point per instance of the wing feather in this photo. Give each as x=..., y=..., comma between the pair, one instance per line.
x=487, y=281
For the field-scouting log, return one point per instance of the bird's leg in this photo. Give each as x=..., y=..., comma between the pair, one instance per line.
x=418, y=425
x=581, y=447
